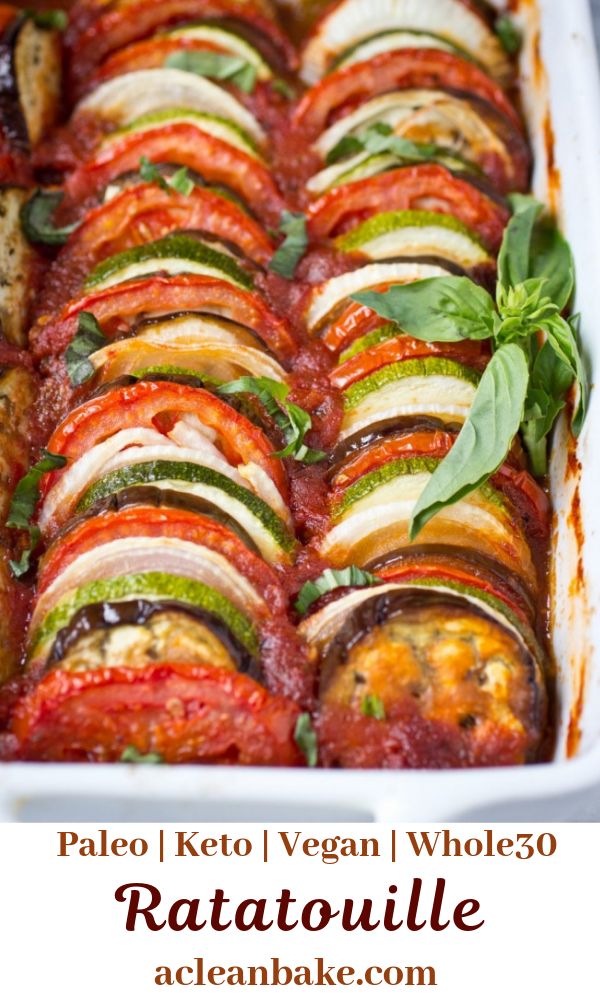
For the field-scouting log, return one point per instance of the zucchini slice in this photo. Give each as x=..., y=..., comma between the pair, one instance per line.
x=417, y=234
x=434, y=387
x=268, y=532
x=176, y=254
x=220, y=128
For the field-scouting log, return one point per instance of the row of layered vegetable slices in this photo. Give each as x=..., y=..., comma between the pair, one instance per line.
x=209, y=554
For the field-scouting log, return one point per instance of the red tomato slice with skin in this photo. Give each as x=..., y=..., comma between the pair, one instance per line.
x=185, y=145
x=472, y=353
x=164, y=522
x=142, y=214
x=118, y=307
x=92, y=36
x=430, y=567
x=426, y=187
x=188, y=713
x=521, y=489
x=399, y=69
x=141, y=405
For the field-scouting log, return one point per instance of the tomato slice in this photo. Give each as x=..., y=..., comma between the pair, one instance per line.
x=142, y=405
x=462, y=571
x=144, y=213
x=426, y=187
x=472, y=353
x=396, y=70
x=187, y=146
x=94, y=36
x=406, y=739
x=526, y=496
x=187, y=713
x=117, y=308
x=163, y=522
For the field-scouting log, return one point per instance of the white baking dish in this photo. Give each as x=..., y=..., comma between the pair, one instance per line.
x=564, y=101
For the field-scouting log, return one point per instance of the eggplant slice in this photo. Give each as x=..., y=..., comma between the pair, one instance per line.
x=18, y=264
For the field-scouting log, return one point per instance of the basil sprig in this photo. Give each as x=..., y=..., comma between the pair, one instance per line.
x=23, y=504
x=230, y=69
x=287, y=257
x=306, y=739
x=525, y=383
x=88, y=339
x=293, y=421
x=380, y=138
x=36, y=219
x=332, y=579
x=180, y=181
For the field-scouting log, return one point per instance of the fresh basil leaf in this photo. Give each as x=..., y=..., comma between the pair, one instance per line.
x=508, y=33
x=36, y=219
x=373, y=707
x=131, y=755
x=380, y=138
x=436, y=309
x=306, y=739
x=549, y=380
x=563, y=338
x=514, y=255
x=485, y=439
x=27, y=494
x=349, y=145
x=23, y=504
x=287, y=257
x=551, y=259
x=19, y=567
x=150, y=173
x=332, y=579
x=181, y=182
x=533, y=247
x=291, y=419
x=53, y=20
x=88, y=339
x=217, y=66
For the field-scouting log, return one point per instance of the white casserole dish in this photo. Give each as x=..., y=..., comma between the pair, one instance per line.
x=561, y=94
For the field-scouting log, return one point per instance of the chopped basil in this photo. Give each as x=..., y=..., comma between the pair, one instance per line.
x=373, y=707
x=524, y=385
x=380, y=138
x=180, y=181
x=36, y=219
x=332, y=579
x=232, y=69
x=282, y=87
x=23, y=504
x=306, y=738
x=508, y=33
x=291, y=419
x=54, y=20
x=287, y=257
x=88, y=339
x=131, y=755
